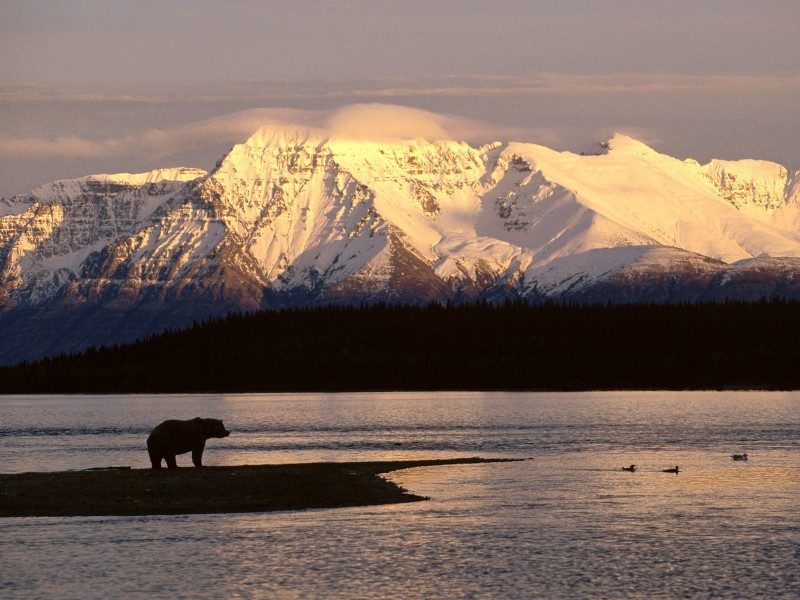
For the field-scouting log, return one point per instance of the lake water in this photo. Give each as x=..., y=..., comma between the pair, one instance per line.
x=567, y=523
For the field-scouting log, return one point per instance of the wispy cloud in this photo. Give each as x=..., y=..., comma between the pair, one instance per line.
x=226, y=129
x=272, y=90
x=42, y=94
x=68, y=145
x=556, y=84
x=373, y=121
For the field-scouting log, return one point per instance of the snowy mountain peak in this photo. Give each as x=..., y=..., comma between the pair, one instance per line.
x=365, y=123
x=358, y=208
x=285, y=137
x=138, y=179
x=624, y=144
x=746, y=183
x=68, y=188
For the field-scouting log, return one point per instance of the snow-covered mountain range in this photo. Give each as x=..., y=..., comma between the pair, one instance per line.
x=299, y=217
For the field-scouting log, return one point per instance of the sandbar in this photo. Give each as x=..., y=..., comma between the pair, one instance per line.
x=120, y=491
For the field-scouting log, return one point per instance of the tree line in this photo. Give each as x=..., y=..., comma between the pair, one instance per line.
x=514, y=346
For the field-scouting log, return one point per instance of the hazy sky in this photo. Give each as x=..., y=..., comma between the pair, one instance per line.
x=111, y=85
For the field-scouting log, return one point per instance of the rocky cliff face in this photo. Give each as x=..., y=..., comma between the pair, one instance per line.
x=291, y=218
x=47, y=235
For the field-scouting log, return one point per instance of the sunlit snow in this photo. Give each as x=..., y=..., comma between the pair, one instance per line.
x=312, y=204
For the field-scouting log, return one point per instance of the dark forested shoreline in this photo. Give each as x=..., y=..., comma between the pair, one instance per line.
x=472, y=347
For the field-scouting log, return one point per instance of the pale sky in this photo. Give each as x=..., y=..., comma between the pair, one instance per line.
x=112, y=86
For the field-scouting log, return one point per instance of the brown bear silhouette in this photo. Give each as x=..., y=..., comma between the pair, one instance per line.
x=174, y=437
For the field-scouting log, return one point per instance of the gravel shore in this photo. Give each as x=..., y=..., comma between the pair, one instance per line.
x=261, y=488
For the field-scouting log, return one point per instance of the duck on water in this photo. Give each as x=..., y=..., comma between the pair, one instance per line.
x=739, y=456
x=631, y=469
x=676, y=470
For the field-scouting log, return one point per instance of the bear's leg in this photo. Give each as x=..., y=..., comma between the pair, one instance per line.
x=171, y=461
x=197, y=457
x=155, y=459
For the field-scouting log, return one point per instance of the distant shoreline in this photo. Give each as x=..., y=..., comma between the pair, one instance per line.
x=230, y=489
x=478, y=347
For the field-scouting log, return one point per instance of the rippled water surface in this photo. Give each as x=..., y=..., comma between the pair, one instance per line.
x=566, y=523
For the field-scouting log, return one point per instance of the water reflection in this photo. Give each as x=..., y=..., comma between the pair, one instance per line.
x=567, y=523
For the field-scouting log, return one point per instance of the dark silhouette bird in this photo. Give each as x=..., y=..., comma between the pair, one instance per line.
x=675, y=470
x=739, y=456
x=632, y=468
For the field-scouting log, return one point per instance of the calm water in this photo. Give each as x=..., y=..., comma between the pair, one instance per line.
x=567, y=523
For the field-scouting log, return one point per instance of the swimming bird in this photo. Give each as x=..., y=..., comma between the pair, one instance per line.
x=739, y=456
x=632, y=468
x=675, y=470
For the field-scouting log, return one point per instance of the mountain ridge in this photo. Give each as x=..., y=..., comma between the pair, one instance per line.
x=295, y=217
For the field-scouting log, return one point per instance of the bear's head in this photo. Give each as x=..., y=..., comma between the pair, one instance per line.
x=214, y=428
